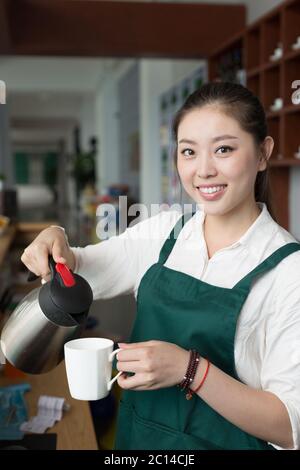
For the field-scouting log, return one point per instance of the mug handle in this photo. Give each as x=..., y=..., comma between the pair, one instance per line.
x=110, y=358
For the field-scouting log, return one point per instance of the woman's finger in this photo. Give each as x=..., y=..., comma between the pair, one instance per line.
x=131, y=354
x=46, y=279
x=132, y=366
x=130, y=382
x=142, y=344
x=58, y=250
x=41, y=260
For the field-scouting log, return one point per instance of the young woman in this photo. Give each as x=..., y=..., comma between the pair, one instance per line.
x=212, y=361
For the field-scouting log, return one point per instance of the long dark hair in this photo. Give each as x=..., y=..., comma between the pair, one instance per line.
x=241, y=104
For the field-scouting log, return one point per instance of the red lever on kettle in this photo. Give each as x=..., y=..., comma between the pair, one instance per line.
x=65, y=274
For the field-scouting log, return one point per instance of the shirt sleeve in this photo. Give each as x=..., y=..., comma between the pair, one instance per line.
x=114, y=267
x=281, y=364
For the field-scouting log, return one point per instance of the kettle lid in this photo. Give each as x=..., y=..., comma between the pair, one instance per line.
x=69, y=292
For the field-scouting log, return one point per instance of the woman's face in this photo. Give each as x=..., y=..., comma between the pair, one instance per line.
x=213, y=150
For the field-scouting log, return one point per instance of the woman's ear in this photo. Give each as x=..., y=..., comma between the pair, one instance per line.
x=266, y=152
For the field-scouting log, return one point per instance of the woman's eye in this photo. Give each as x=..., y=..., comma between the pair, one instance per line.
x=187, y=152
x=226, y=148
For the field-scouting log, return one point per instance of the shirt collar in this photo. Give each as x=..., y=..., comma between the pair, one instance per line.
x=256, y=235
x=263, y=224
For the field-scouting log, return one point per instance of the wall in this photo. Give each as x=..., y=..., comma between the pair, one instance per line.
x=257, y=8
x=86, y=117
x=295, y=202
x=129, y=121
x=57, y=105
x=156, y=76
x=36, y=74
x=5, y=146
x=107, y=124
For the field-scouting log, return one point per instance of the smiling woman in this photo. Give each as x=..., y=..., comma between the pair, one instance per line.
x=218, y=294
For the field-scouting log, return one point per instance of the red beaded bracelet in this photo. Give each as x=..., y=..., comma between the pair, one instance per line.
x=191, y=392
x=191, y=370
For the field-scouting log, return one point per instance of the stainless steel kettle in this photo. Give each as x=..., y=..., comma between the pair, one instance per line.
x=33, y=338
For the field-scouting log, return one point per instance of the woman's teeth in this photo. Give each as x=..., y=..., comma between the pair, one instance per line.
x=213, y=189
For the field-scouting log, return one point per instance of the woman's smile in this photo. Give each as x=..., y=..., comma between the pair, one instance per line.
x=211, y=193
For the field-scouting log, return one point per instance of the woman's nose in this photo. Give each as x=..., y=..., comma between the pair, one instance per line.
x=205, y=166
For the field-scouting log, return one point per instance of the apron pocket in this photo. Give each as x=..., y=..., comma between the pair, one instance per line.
x=137, y=433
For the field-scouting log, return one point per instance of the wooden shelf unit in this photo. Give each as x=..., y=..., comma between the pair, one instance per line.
x=270, y=79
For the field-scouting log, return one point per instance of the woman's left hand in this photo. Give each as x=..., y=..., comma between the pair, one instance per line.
x=156, y=364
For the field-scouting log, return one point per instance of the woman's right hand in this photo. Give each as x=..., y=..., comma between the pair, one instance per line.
x=51, y=241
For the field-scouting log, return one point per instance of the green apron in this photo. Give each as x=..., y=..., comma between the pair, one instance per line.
x=175, y=307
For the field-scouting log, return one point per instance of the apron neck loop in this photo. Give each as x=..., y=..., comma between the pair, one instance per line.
x=173, y=235
x=267, y=264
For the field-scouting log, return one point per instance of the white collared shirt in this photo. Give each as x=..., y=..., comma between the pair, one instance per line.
x=267, y=342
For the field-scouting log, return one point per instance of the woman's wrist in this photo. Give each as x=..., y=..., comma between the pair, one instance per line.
x=200, y=373
x=190, y=370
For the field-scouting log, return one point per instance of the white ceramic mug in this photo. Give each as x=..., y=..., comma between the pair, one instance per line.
x=89, y=367
x=278, y=102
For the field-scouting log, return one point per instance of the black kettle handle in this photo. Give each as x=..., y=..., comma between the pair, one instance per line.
x=52, y=264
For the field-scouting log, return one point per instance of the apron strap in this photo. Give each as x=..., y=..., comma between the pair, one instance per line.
x=268, y=264
x=171, y=240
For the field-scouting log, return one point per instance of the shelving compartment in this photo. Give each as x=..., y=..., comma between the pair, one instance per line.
x=291, y=78
x=292, y=134
x=271, y=33
x=291, y=28
x=253, y=48
x=273, y=124
x=271, y=90
x=253, y=83
x=227, y=65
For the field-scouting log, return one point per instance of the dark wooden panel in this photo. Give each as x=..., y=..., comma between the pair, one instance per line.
x=5, y=33
x=122, y=29
x=279, y=182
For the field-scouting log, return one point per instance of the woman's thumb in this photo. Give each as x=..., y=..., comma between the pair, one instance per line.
x=58, y=252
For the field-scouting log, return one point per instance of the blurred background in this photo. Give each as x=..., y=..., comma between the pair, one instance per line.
x=91, y=89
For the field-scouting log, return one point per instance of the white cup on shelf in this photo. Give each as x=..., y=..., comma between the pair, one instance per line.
x=277, y=104
x=297, y=154
x=277, y=54
x=296, y=44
